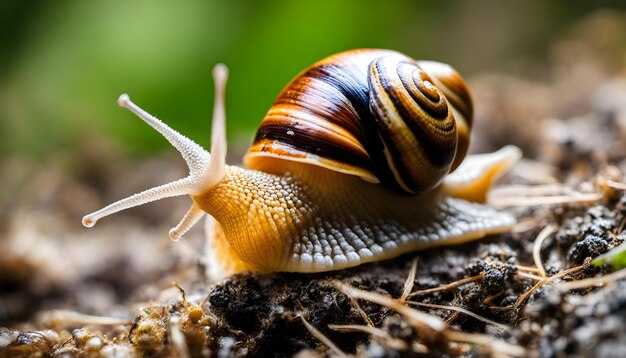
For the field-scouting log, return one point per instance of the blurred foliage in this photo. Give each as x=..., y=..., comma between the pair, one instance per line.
x=64, y=63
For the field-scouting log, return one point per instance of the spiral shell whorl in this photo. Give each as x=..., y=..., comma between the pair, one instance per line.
x=371, y=113
x=414, y=123
x=450, y=82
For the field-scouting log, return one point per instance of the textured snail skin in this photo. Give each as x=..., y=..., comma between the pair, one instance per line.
x=329, y=183
x=314, y=219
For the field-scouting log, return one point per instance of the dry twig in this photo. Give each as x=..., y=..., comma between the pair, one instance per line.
x=495, y=345
x=377, y=332
x=526, y=225
x=521, y=299
x=63, y=318
x=527, y=268
x=594, y=281
x=459, y=309
x=545, y=200
x=493, y=297
x=414, y=317
x=433, y=323
x=364, y=315
x=410, y=280
x=448, y=286
x=530, y=276
x=547, y=231
x=322, y=338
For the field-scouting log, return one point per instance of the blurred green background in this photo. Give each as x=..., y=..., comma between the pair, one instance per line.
x=64, y=63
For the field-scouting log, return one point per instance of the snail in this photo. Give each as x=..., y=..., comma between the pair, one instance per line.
x=359, y=159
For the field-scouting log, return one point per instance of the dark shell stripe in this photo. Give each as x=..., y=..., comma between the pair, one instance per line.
x=400, y=158
x=458, y=98
x=426, y=155
x=452, y=86
x=396, y=158
x=351, y=83
x=307, y=135
x=458, y=95
x=437, y=138
x=314, y=96
x=285, y=123
x=328, y=112
x=427, y=97
x=325, y=92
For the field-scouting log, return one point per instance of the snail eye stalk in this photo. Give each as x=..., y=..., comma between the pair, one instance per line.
x=205, y=170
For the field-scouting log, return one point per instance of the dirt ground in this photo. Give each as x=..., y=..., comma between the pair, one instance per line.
x=124, y=289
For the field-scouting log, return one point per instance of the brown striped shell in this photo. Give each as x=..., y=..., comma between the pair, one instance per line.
x=377, y=114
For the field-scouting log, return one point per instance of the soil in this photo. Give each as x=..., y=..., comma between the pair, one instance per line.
x=67, y=291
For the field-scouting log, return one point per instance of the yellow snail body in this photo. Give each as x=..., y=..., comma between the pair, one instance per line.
x=360, y=159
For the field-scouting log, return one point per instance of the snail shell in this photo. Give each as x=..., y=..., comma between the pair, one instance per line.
x=376, y=114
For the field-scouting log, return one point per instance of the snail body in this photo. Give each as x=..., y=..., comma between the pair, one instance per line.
x=360, y=159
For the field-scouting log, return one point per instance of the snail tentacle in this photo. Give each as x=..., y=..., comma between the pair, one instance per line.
x=205, y=170
x=475, y=176
x=217, y=165
x=176, y=188
x=196, y=157
x=187, y=222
